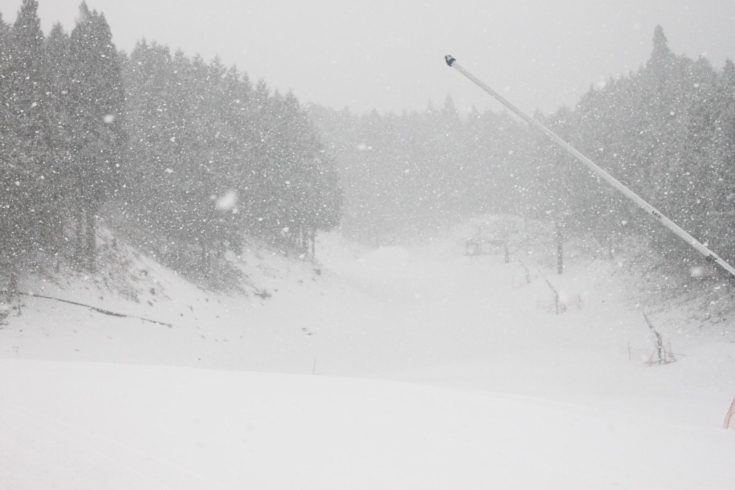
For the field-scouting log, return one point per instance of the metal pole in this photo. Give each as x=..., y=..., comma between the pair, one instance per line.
x=693, y=242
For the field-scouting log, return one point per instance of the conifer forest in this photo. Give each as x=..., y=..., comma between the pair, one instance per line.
x=185, y=156
x=180, y=155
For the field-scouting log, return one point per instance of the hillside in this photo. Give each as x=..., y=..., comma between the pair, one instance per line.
x=403, y=367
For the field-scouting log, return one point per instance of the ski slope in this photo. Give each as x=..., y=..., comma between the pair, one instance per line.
x=388, y=368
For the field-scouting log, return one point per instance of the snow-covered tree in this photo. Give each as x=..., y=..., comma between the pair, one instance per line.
x=27, y=220
x=96, y=97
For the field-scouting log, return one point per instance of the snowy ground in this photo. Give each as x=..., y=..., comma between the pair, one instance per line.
x=391, y=368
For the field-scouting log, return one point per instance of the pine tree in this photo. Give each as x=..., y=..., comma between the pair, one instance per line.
x=27, y=218
x=57, y=68
x=99, y=139
x=711, y=141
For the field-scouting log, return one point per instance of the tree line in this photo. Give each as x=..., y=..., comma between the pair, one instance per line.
x=212, y=159
x=185, y=157
x=666, y=130
x=409, y=173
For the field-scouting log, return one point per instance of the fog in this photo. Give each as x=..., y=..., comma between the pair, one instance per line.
x=342, y=265
x=389, y=55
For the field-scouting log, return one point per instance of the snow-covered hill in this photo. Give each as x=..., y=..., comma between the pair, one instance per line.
x=389, y=368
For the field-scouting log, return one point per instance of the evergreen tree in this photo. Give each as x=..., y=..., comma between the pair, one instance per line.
x=27, y=218
x=97, y=97
x=57, y=68
x=711, y=144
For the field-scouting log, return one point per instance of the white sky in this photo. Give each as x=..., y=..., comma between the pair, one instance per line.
x=388, y=55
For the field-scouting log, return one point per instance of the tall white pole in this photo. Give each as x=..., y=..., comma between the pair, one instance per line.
x=699, y=247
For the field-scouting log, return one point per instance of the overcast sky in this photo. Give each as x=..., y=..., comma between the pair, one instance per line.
x=388, y=54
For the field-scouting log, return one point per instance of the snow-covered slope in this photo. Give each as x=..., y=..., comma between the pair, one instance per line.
x=84, y=425
x=399, y=368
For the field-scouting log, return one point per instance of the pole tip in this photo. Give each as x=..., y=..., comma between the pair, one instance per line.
x=449, y=59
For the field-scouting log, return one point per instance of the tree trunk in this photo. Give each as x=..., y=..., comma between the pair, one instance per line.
x=13, y=283
x=559, y=249
x=205, y=256
x=91, y=241
x=78, y=257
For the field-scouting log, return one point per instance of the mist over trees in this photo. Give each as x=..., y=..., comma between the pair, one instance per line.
x=404, y=174
x=188, y=158
x=667, y=131
x=183, y=156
